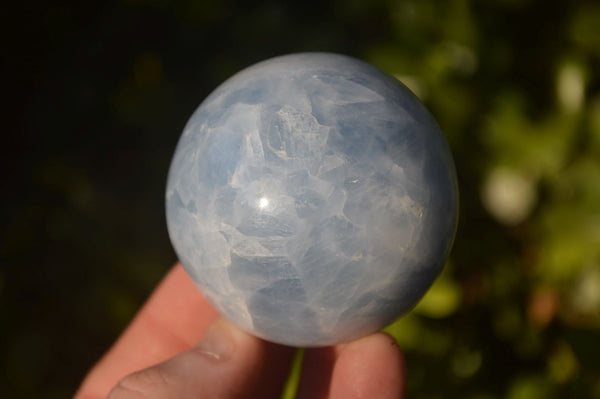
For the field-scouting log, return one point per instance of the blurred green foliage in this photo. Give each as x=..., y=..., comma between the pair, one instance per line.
x=100, y=91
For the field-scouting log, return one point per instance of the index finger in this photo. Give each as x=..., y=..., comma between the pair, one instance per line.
x=173, y=320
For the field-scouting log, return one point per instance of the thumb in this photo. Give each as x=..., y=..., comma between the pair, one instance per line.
x=227, y=363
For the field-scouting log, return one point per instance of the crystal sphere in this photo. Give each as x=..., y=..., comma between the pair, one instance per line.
x=312, y=198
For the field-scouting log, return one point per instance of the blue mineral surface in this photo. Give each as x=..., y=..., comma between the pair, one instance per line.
x=312, y=198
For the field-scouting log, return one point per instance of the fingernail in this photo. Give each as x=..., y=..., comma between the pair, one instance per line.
x=217, y=342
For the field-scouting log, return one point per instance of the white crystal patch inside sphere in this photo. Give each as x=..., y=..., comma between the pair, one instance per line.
x=312, y=198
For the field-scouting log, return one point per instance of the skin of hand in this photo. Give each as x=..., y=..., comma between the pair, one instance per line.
x=177, y=346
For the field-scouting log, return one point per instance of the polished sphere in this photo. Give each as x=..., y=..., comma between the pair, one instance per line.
x=312, y=198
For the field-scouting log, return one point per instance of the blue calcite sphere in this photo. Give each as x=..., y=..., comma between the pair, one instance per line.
x=312, y=198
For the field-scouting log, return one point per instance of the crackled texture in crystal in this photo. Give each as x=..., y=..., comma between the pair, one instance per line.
x=312, y=198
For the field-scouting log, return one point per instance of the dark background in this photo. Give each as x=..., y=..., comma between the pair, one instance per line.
x=97, y=93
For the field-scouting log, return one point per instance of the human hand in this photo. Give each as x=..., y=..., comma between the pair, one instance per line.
x=158, y=356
